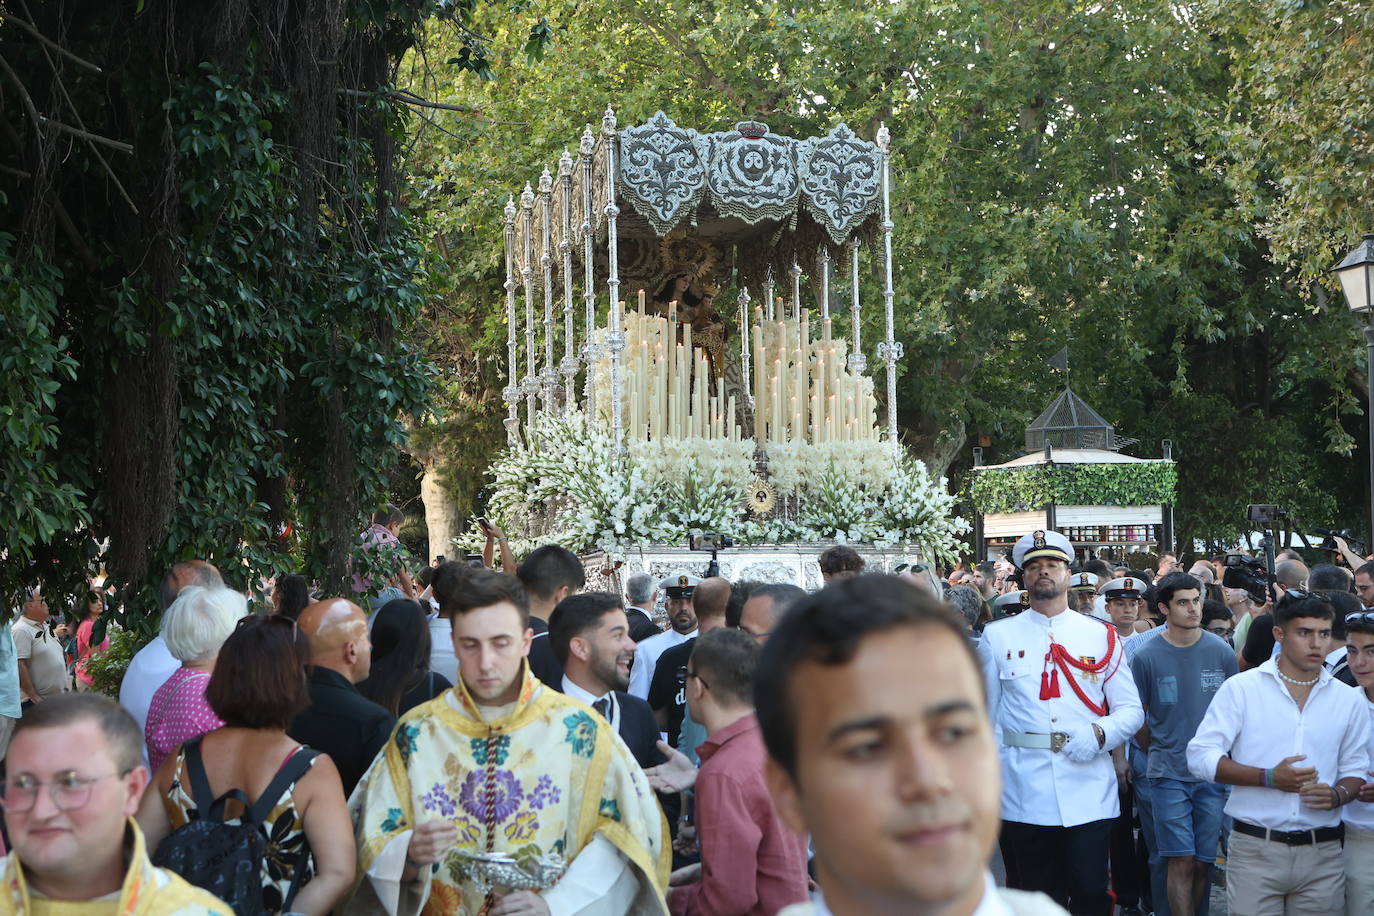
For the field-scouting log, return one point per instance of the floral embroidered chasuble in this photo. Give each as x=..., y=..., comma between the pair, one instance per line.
x=147, y=890
x=545, y=777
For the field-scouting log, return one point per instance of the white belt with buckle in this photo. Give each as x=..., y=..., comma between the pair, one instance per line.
x=1054, y=741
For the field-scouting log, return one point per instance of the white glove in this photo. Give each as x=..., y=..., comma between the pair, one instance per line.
x=1082, y=746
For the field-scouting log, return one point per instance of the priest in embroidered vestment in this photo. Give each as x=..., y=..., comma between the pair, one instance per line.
x=503, y=764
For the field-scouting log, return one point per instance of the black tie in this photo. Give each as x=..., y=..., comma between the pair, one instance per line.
x=603, y=706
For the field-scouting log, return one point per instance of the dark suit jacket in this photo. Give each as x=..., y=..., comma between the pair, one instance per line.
x=342, y=723
x=638, y=729
x=641, y=627
x=543, y=663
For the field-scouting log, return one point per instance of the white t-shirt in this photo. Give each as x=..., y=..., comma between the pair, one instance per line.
x=34, y=644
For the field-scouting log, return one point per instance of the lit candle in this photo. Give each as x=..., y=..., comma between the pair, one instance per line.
x=760, y=390
x=817, y=418
x=660, y=389
x=641, y=302
x=703, y=393
x=641, y=381
x=775, y=433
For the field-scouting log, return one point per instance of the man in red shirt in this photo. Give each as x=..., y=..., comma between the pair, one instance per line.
x=750, y=862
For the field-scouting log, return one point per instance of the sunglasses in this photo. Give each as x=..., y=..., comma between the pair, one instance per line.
x=1300, y=595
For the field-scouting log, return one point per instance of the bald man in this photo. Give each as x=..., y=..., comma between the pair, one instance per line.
x=667, y=687
x=340, y=721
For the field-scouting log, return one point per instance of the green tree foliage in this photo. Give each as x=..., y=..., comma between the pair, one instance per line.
x=1064, y=173
x=1298, y=132
x=210, y=287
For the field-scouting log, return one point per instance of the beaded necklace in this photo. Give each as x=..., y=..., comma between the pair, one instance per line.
x=1294, y=681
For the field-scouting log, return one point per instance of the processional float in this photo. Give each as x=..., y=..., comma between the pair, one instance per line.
x=651, y=227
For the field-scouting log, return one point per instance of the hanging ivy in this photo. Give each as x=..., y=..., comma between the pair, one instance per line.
x=1019, y=489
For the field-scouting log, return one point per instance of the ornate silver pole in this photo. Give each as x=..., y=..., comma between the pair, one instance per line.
x=768, y=284
x=512, y=392
x=586, y=148
x=825, y=283
x=891, y=349
x=857, y=362
x=568, y=367
x=615, y=338
x=744, y=318
x=796, y=291
x=548, y=376
x=531, y=382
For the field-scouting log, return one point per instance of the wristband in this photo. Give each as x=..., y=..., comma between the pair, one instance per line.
x=1269, y=779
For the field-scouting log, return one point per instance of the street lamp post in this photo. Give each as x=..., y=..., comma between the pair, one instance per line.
x=1356, y=273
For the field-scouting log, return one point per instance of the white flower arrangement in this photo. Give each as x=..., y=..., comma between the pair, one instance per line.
x=565, y=484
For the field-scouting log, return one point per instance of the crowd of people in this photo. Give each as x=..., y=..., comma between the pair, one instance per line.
x=460, y=740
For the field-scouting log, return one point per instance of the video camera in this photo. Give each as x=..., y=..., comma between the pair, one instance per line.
x=1247, y=573
x=710, y=543
x=1357, y=547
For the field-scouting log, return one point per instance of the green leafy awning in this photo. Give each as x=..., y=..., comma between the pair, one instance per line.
x=1016, y=489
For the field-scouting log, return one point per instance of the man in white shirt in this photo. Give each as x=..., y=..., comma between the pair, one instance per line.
x=681, y=589
x=880, y=747
x=1061, y=699
x=42, y=666
x=1293, y=741
x=1358, y=816
x=154, y=664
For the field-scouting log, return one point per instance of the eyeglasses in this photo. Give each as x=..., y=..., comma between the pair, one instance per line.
x=68, y=790
x=693, y=674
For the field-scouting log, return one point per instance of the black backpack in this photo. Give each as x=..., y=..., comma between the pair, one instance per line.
x=226, y=859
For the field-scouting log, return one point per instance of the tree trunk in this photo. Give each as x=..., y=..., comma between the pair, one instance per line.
x=441, y=512
x=938, y=447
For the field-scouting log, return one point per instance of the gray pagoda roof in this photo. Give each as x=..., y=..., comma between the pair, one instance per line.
x=1070, y=423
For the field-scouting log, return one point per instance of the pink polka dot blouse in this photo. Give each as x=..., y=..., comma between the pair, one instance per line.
x=179, y=712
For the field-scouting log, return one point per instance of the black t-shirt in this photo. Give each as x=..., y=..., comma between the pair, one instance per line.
x=668, y=689
x=430, y=686
x=1259, y=642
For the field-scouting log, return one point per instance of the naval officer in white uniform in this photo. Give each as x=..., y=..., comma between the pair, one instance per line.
x=1061, y=698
